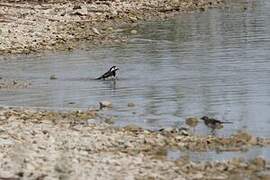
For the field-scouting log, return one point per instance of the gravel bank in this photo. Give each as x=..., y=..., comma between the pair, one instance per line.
x=39, y=144
x=13, y=84
x=28, y=26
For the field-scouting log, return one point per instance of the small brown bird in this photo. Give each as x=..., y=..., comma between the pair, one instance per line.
x=213, y=123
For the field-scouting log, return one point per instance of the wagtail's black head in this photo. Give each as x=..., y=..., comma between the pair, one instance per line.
x=114, y=68
x=204, y=118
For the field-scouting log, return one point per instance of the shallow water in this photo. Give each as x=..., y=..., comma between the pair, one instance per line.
x=212, y=63
x=250, y=154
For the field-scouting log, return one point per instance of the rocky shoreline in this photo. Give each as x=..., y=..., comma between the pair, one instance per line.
x=30, y=26
x=39, y=144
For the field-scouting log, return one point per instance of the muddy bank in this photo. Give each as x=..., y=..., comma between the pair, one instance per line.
x=38, y=144
x=28, y=26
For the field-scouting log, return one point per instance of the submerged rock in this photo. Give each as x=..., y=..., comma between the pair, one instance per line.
x=53, y=77
x=109, y=120
x=130, y=104
x=105, y=104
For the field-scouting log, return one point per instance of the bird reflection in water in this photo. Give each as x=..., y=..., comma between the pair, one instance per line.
x=111, y=84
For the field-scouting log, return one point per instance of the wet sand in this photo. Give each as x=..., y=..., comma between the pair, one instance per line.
x=38, y=144
x=28, y=26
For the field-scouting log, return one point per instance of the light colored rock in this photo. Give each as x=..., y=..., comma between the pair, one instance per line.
x=94, y=121
x=114, y=12
x=96, y=31
x=133, y=31
x=12, y=118
x=110, y=29
x=133, y=19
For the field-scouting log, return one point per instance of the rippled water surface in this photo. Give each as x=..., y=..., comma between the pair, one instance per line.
x=214, y=63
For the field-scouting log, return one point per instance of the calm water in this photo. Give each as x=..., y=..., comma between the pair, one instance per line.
x=214, y=63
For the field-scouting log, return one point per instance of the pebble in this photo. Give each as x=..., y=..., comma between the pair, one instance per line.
x=96, y=31
x=133, y=31
x=133, y=19
x=110, y=29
